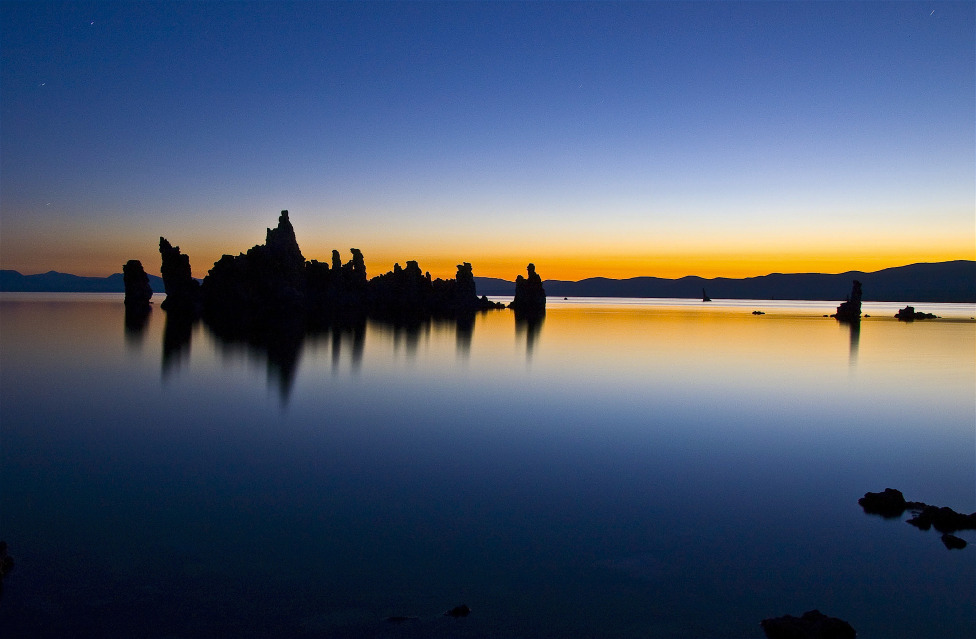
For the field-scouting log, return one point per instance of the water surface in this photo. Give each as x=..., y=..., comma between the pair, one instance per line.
x=625, y=468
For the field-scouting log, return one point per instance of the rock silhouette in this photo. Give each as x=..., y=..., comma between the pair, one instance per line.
x=182, y=291
x=6, y=563
x=891, y=504
x=812, y=625
x=268, y=279
x=850, y=311
x=530, y=296
x=458, y=611
x=273, y=280
x=138, y=292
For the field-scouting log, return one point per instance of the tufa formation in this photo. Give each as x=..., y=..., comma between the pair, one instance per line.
x=273, y=280
x=850, y=311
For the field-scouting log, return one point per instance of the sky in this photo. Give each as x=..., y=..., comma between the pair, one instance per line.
x=591, y=138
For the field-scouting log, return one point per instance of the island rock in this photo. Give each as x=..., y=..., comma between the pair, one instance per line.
x=908, y=314
x=271, y=281
x=850, y=311
x=530, y=296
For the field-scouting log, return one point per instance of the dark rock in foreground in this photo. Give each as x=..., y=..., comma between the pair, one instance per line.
x=530, y=296
x=943, y=519
x=891, y=503
x=6, y=563
x=908, y=314
x=138, y=292
x=812, y=625
x=850, y=311
x=952, y=542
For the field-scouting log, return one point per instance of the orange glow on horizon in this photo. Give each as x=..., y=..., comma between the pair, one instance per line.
x=550, y=267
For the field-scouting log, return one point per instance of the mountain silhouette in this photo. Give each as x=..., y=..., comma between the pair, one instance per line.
x=953, y=281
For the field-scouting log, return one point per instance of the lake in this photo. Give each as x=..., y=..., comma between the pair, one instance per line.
x=625, y=468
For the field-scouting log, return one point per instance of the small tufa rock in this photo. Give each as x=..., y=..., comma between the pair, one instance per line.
x=850, y=311
x=458, y=611
x=889, y=503
x=908, y=314
x=952, y=542
x=812, y=625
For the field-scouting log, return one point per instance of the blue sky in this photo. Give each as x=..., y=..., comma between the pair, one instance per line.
x=613, y=139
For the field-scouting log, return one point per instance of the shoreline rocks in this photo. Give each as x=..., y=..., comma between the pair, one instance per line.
x=891, y=504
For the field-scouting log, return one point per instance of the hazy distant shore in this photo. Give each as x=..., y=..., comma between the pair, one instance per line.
x=949, y=282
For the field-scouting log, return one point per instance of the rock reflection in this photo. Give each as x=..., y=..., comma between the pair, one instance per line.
x=177, y=333
x=530, y=326
x=136, y=322
x=277, y=341
x=464, y=334
x=855, y=327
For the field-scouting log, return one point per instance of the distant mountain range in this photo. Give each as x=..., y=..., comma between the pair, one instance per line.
x=928, y=282
x=54, y=282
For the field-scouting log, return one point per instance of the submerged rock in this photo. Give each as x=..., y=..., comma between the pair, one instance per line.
x=812, y=625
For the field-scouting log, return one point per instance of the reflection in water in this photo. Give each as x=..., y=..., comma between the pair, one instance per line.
x=464, y=332
x=487, y=477
x=531, y=327
x=353, y=333
x=855, y=326
x=176, y=340
x=278, y=341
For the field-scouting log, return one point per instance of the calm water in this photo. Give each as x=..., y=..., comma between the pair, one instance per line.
x=628, y=468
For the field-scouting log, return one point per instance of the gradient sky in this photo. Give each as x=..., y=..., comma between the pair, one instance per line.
x=611, y=139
